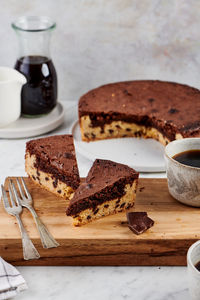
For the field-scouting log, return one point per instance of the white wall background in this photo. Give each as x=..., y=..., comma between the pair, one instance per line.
x=102, y=41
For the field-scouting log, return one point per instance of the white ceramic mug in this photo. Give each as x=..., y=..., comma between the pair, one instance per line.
x=11, y=82
x=183, y=180
x=193, y=257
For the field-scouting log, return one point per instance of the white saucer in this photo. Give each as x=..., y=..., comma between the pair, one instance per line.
x=29, y=127
x=144, y=155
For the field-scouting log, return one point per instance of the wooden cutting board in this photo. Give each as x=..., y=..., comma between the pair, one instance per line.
x=107, y=241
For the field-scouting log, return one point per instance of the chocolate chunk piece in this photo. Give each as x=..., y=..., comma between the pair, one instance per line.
x=139, y=222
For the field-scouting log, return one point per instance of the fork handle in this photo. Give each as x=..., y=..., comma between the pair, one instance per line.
x=29, y=250
x=47, y=239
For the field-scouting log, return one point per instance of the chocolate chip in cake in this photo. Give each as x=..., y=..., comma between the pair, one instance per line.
x=173, y=111
x=127, y=93
x=96, y=211
x=151, y=100
x=116, y=206
x=59, y=191
x=111, y=131
x=117, y=126
x=86, y=135
x=46, y=178
x=129, y=205
x=128, y=129
x=89, y=217
x=106, y=205
x=117, y=201
x=68, y=155
x=33, y=177
x=38, y=178
x=55, y=183
x=43, y=152
x=122, y=205
x=93, y=135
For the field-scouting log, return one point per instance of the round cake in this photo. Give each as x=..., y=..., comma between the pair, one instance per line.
x=155, y=109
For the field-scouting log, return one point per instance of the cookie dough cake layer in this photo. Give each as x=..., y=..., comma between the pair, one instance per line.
x=163, y=110
x=51, y=163
x=47, y=180
x=119, y=129
x=110, y=187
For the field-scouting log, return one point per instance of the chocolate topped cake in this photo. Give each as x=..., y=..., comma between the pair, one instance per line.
x=109, y=187
x=51, y=163
x=161, y=110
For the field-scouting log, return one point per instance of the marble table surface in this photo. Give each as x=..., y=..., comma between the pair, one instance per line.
x=152, y=283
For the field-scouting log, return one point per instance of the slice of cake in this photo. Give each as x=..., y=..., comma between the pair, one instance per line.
x=51, y=163
x=165, y=111
x=109, y=188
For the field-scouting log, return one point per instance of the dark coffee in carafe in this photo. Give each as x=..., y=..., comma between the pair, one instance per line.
x=39, y=94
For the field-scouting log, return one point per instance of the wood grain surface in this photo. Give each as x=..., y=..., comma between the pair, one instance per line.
x=107, y=241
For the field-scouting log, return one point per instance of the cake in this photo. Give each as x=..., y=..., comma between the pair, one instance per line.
x=109, y=188
x=165, y=111
x=51, y=163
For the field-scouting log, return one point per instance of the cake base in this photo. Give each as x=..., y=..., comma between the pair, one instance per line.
x=120, y=129
x=47, y=180
x=109, y=207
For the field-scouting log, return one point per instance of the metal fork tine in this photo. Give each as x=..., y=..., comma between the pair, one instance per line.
x=11, y=194
x=15, y=192
x=25, y=188
x=20, y=189
x=4, y=197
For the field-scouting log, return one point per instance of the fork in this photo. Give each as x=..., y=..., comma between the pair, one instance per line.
x=26, y=200
x=15, y=209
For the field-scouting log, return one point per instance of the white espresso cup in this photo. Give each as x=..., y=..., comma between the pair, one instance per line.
x=193, y=257
x=11, y=82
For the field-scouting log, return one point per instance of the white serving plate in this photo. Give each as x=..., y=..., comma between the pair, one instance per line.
x=29, y=127
x=144, y=155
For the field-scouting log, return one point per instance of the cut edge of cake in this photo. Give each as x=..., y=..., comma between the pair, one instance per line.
x=46, y=180
x=120, y=129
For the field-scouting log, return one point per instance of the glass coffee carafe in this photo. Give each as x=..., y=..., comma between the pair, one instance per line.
x=39, y=94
